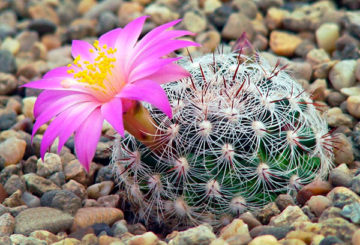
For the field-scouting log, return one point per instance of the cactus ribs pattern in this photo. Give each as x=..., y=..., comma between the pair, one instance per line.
x=242, y=133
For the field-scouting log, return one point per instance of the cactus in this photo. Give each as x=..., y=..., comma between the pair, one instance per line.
x=242, y=132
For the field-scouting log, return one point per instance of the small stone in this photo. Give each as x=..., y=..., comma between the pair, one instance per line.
x=267, y=212
x=160, y=14
x=129, y=11
x=39, y=185
x=19, y=239
x=57, y=178
x=355, y=184
x=265, y=240
x=329, y=213
x=90, y=239
x=340, y=176
x=246, y=7
x=301, y=235
x=50, y=165
x=201, y=234
x=283, y=201
x=250, y=220
x=14, y=200
x=30, y=200
x=5, y=240
x=344, y=152
x=92, y=215
x=42, y=26
x=42, y=218
x=7, y=62
x=322, y=70
x=3, y=194
x=282, y=43
x=12, y=150
x=209, y=41
x=288, y=216
x=194, y=22
x=352, y=91
x=336, y=118
x=341, y=196
x=119, y=228
x=74, y=170
x=317, y=56
x=342, y=75
x=7, y=224
x=7, y=119
x=28, y=107
x=220, y=16
x=102, y=6
x=339, y=228
x=318, y=88
x=110, y=201
x=236, y=232
x=59, y=57
x=76, y=188
x=64, y=200
x=51, y=41
x=236, y=25
x=85, y=5
x=68, y=241
x=10, y=44
x=278, y=232
x=44, y=235
x=107, y=21
x=104, y=240
x=14, y=183
x=274, y=17
x=211, y=5
x=318, y=204
x=356, y=237
x=13, y=104
x=148, y=238
x=42, y=11
x=317, y=187
x=353, y=105
x=327, y=35
x=81, y=28
x=136, y=229
x=100, y=189
x=352, y=212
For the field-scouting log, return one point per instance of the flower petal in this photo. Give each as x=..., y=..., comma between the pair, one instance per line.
x=169, y=73
x=110, y=37
x=87, y=136
x=57, y=72
x=113, y=113
x=149, y=91
x=82, y=48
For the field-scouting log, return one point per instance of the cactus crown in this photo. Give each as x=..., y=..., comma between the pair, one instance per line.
x=242, y=133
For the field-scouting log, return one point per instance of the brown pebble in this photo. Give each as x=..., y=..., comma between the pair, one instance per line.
x=88, y=216
x=3, y=193
x=282, y=43
x=318, y=204
x=317, y=187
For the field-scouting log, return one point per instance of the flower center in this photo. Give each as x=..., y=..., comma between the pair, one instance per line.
x=94, y=73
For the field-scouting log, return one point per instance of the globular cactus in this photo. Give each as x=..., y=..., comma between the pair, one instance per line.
x=242, y=133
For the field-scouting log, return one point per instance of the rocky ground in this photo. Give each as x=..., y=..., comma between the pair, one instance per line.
x=56, y=202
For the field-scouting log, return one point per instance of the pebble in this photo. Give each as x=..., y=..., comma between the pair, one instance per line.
x=43, y=11
x=355, y=184
x=250, y=220
x=236, y=25
x=107, y=21
x=10, y=44
x=267, y=212
x=88, y=216
x=160, y=14
x=283, y=43
x=7, y=119
x=108, y=201
x=28, y=106
x=30, y=200
x=81, y=28
x=237, y=232
x=5, y=240
x=14, y=183
x=75, y=171
x=75, y=187
x=68, y=241
x=38, y=185
x=19, y=239
x=51, y=164
x=63, y=200
x=341, y=196
x=44, y=235
x=42, y=26
x=356, y=237
x=338, y=227
x=7, y=224
x=278, y=232
x=211, y=5
x=317, y=56
x=119, y=228
x=12, y=150
x=194, y=22
x=209, y=41
x=27, y=40
x=344, y=153
x=7, y=61
x=148, y=238
x=336, y=118
x=274, y=17
x=100, y=189
x=322, y=70
x=342, y=75
x=264, y=240
x=220, y=16
x=329, y=213
x=318, y=89
x=283, y=201
x=129, y=11
x=14, y=200
x=340, y=176
x=288, y=216
x=201, y=234
x=353, y=105
x=136, y=229
x=42, y=218
x=245, y=7
x=318, y=204
x=90, y=239
x=103, y=6
x=352, y=91
x=327, y=35
x=104, y=240
x=317, y=187
x=352, y=212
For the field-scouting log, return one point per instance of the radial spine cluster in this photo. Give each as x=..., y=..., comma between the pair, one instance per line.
x=242, y=133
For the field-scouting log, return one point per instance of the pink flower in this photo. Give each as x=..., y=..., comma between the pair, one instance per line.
x=104, y=81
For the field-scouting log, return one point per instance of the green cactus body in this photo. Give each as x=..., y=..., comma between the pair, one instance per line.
x=242, y=133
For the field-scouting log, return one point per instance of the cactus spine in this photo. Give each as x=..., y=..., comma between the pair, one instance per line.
x=242, y=133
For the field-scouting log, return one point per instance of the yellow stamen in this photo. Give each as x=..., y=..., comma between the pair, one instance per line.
x=96, y=72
